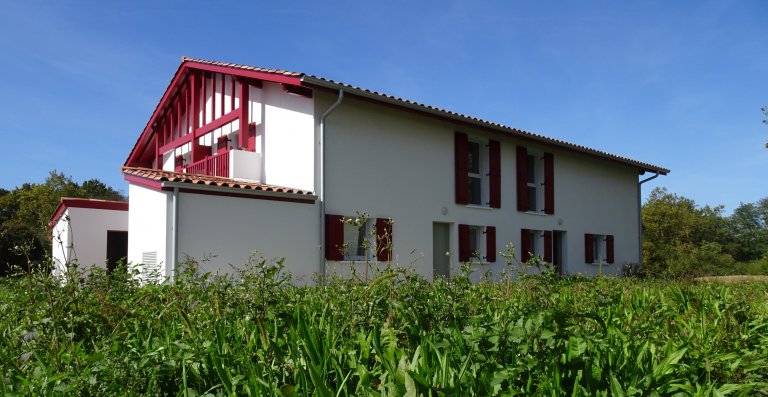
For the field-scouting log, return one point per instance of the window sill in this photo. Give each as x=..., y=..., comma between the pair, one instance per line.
x=598, y=264
x=536, y=213
x=480, y=207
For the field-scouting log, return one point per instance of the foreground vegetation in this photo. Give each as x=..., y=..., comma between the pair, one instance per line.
x=396, y=335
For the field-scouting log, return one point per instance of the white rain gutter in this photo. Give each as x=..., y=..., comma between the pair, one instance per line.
x=175, y=234
x=640, y=216
x=321, y=177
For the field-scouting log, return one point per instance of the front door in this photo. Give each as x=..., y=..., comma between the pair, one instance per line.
x=441, y=248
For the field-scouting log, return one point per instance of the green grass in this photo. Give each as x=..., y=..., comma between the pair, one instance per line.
x=398, y=335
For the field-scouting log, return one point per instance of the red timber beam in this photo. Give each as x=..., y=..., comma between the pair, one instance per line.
x=193, y=127
x=244, y=131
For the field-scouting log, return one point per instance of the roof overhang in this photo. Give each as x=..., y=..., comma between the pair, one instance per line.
x=68, y=202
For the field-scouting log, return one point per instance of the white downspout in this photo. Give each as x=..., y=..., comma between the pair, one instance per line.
x=174, y=235
x=321, y=185
x=640, y=216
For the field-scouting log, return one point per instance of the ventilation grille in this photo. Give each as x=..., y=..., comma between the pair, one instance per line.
x=149, y=269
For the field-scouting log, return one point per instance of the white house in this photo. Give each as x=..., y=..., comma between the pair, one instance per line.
x=88, y=233
x=236, y=159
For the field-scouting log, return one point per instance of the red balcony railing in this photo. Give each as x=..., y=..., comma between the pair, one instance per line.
x=216, y=165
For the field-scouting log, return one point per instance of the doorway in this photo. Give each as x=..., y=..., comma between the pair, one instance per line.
x=117, y=248
x=441, y=248
x=558, y=251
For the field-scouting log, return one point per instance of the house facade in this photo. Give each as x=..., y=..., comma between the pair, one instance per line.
x=334, y=178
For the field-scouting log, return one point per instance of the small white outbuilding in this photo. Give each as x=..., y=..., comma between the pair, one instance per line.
x=89, y=233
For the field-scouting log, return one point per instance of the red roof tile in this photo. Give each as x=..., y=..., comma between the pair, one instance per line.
x=194, y=179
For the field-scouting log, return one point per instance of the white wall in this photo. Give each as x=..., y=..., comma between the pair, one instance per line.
x=83, y=236
x=61, y=251
x=225, y=230
x=288, y=133
x=399, y=164
x=149, y=226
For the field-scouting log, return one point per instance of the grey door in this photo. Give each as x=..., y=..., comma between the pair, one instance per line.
x=441, y=246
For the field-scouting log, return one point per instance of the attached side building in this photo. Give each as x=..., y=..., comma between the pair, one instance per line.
x=88, y=232
x=331, y=177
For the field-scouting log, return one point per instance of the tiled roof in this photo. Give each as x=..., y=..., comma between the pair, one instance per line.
x=243, y=67
x=194, y=179
x=310, y=79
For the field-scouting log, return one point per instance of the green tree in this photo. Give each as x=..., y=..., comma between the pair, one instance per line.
x=748, y=226
x=676, y=231
x=26, y=210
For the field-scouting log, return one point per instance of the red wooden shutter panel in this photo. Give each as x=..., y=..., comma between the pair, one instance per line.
x=464, y=253
x=525, y=245
x=589, y=253
x=609, y=248
x=549, y=183
x=383, y=239
x=461, y=157
x=522, y=178
x=222, y=144
x=548, y=246
x=490, y=244
x=334, y=237
x=178, y=163
x=494, y=151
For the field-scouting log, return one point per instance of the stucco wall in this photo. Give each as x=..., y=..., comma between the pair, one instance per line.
x=221, y=232
x=393, y=163
x=83, y=236
x=150, y=229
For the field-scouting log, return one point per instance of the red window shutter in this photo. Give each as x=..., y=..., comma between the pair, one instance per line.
x=461, y=155
x=222, y=144
x=334, y=237
x=609, y=248
x=549, y=183
x=525, y=245
x=522, y=179
x=464, y=253
x=383, y=239
x=490, y=244
x=179, y=163
x=494, y=151
x=548, y=246
x=589, y=253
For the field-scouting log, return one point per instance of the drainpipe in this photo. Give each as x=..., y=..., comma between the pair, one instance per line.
x=321, y=185
x=174, y=235
x=640, y=216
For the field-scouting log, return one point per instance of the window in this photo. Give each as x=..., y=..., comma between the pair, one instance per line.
x=357, y=238
x=535, y=181
x=475, y=174
x=478, y=171
x=357, y=242
x=477, y=242
x=598, y=248
x=535, y=243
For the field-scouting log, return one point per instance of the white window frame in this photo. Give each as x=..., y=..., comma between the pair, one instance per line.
x=477, y=243
x=357, y=239
x=599, y=248
x=537, y=239
x=482, y=174
x=537, y=183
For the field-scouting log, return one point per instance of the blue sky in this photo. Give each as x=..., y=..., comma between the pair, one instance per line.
x=676, y=84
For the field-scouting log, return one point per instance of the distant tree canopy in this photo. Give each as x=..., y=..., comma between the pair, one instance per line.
x=682, y=238
x=25, y=211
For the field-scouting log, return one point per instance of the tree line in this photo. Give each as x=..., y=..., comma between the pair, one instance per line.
x=682, y=238
x=25, y=238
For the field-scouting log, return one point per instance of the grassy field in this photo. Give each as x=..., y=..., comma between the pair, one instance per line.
x=397, y=335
